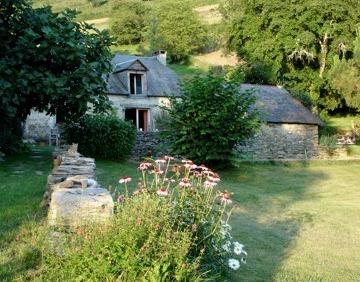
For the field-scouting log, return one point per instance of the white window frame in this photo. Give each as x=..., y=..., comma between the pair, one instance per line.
x=143, y=83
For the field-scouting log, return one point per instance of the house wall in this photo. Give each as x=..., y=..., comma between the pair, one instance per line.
x=281, y=141
x=122, y=102
x=37, y=126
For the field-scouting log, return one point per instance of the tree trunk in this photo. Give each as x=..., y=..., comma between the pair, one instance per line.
x=324, y=51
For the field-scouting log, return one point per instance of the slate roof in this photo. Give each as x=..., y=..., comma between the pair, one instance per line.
x=276, y=105
x=161, y=80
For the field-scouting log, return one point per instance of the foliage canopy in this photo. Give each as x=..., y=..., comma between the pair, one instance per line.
x=176, y=29
x=296, y=39
x=129, y=22
x=50, y=63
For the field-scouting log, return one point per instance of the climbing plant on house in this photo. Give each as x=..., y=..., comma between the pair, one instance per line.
x=49, y=63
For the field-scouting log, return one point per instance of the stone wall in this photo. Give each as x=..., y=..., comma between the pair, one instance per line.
x=281, y=141
x=149, y=144
x=37, y=126
x=72, y=195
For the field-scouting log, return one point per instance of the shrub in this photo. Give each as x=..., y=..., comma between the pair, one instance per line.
x=100, y=136
x=173, y=228
x=328, y=142
x=211, y=117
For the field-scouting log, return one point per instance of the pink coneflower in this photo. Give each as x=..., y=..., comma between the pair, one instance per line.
x=168, y=158
x=214, y=178
x=184, y=183
x=203, y=167
x=162, y=192
x=187, y=162
x=208, y=172
x=225, y=197
x=144, y=166
x=160, y=161
x=124, y=180
x=209, y=184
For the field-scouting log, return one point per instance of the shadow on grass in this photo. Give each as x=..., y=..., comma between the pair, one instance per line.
x=22, y=185
x=263, y=219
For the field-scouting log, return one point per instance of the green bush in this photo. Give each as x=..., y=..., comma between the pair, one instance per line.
x=210, y=118
x=100, y=136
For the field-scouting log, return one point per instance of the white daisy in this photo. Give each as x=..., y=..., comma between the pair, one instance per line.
x=234, y=264
x=238, y=248
x=226, y=246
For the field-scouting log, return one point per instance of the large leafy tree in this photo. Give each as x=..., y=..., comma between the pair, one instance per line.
x=49, y=63
x=210, y=118
x=297, y=39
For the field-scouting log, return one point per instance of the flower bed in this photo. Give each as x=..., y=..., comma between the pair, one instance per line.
x=173, y=227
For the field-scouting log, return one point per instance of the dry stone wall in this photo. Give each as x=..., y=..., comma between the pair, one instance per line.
x=149, y=144
x=72, y=194
x=281, y=141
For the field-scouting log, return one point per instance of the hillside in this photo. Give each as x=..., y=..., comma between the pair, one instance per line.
x=90, y=12
x=101, y=16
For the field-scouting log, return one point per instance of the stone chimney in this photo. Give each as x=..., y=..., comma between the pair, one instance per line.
x=160, y=56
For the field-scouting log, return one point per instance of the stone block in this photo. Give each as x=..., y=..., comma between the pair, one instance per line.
x=79, y=207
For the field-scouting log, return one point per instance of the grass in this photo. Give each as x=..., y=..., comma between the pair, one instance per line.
x=187, y=71
x=22, y=185
x=299, y=221
x=342, y=124
x=89, y=12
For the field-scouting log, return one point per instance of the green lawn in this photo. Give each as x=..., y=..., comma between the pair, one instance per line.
x=343, y=124
x=22, y=184
x=299, y=221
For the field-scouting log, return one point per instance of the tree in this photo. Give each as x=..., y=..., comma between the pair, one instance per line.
x=298, y=39
x=211, y=117
x=176, y=29
x=49, y=63
x=130, y=22
x=345, y=76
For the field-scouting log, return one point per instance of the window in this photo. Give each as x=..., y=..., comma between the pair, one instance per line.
x=139, y=117
x=136, y=84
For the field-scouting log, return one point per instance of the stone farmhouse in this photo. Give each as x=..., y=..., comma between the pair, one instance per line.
x=139, y=86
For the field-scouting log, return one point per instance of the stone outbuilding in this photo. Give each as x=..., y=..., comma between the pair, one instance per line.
x=289, y=130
